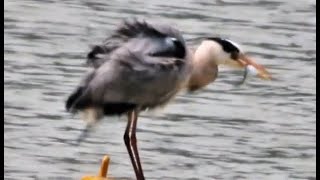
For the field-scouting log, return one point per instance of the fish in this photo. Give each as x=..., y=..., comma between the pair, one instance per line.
x=249, y=70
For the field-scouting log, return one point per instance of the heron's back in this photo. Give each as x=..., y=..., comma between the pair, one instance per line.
x=145, y=70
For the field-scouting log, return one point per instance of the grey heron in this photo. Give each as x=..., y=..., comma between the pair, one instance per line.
x=143, y=66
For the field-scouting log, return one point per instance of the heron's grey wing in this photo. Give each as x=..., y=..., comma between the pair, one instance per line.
x=147, y=69
x=136, y=78
x=100, y=53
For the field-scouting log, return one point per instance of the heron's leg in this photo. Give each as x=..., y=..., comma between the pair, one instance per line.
x=133, y=140
x=127, y=140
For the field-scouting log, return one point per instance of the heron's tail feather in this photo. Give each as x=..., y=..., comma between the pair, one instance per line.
x=73, y=98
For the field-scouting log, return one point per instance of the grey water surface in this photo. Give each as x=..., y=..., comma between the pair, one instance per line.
x=261, y=130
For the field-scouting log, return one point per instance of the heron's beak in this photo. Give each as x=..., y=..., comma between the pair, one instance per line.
x=244, y=61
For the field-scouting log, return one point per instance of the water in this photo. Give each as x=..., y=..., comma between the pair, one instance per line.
x=262, y=130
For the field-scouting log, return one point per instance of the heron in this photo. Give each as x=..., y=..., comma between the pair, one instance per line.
x=144, y=66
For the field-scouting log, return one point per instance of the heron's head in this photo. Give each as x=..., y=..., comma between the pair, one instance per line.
x=229, y=53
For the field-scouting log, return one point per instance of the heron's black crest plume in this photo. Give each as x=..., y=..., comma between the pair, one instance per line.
x=226, y=44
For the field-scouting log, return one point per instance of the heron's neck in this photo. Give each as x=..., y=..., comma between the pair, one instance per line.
x=205, y=70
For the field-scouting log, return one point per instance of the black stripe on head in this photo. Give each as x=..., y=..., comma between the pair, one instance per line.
x=226, y=44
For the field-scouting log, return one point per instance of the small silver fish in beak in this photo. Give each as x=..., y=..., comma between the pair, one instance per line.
x=249, y=70
x=252, y=67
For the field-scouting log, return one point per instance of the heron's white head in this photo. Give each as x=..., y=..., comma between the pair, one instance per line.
x=226, y=52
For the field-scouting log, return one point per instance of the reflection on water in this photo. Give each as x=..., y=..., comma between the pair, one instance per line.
x=262, y=130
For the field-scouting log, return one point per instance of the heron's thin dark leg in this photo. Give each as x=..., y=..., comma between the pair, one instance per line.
x=127, y=140
x=134, y=143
